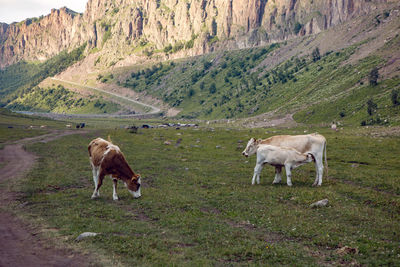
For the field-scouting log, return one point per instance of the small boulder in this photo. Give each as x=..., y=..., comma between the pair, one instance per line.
x=85, y=235
x=321, y=203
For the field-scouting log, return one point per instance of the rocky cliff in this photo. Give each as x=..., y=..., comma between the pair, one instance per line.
x=122, y=29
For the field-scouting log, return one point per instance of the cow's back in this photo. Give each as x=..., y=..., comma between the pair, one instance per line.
x=96, y=149
x=302, y=143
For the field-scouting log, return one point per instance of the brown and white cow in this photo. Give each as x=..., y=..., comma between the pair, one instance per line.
x=276, y=156
x=107, y=159
x=314, y=144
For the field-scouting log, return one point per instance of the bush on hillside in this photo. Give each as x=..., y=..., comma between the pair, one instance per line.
x=373, y=76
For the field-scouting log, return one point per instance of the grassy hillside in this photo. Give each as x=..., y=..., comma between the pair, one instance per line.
x=19, y=88
x=320, y=87
x=60, y=100
x=20, y=78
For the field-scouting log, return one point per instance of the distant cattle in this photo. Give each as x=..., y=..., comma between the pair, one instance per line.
x=314, y=144
x=80, y=125
x=133, y=129
x=276, y=156
x=107, y=159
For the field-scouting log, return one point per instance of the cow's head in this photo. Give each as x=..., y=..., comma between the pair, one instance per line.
x=304, y=159
x=134, y=185
x=310, y=157
x=251, y=147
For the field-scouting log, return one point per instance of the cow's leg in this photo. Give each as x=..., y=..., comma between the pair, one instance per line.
x=258, y=176
x=257, y=171
x=320, y=172
x=288, y=175
x=115, y=196
x=95, y=171
x=278, y=177
x=99, y=183
x=319, y=169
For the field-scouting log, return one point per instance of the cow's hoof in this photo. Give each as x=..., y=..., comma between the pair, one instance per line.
x=115, y=198
x=289, y=184
x=276, y=182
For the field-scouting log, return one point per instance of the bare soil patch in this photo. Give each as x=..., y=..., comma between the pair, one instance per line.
x=21, y=245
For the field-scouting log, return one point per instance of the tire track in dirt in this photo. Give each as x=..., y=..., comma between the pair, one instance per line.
x=20, y=245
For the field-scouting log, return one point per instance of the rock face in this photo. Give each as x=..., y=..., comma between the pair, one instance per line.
x=122, y=28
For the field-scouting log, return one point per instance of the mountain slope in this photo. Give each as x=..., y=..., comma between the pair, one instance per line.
x=286, y=78
x=130, y=31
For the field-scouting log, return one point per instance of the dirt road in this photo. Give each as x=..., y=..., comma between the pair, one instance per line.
x=20, y=244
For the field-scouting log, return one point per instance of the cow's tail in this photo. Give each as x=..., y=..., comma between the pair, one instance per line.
x=326, y=159
x=90, y=148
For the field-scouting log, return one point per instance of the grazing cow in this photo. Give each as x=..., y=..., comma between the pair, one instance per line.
x=107, y=159
x=310, y=143
x=276, y=156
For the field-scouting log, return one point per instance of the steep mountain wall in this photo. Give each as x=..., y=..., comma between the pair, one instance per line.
x=122, y=28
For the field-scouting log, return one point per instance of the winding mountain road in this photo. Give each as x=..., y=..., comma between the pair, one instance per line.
x=154, y=110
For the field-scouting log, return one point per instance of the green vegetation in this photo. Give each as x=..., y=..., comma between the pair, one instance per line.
x=18, y=79
x=177, y=83
x=60, y=100
x=107, y=32
x=198, y=204
x=106, y=78
x=316, y=88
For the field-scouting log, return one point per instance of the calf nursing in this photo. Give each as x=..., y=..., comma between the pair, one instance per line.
x=314, y=144
x=276, y=156
x=107, y=159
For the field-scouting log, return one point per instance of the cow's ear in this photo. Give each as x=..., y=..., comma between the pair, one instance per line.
x=259, y=141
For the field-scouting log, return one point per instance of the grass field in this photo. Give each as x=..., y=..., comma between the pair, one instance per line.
x=198, y=206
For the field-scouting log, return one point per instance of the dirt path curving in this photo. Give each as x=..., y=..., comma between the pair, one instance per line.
x=20, y=244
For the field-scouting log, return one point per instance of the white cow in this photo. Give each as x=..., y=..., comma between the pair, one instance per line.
x=314, y=144
x=276, y=156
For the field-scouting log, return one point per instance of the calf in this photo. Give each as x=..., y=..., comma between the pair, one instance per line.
x=276, y=156
x=107, y=159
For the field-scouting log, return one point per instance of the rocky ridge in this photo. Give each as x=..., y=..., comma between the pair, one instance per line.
x=124, y=31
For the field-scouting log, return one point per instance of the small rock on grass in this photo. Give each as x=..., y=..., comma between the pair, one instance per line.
x=321, y=203
x=346, y=250
x=84, y=235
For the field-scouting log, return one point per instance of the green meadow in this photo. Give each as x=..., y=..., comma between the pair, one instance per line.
x=198, y=206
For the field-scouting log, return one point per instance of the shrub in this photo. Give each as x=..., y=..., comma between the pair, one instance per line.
x=373, y=76
x=207, y=65
x=371, y=106
x=316, y=55
x=394, y=97
x=297, y=27
x=212, y=89
x=168, y=48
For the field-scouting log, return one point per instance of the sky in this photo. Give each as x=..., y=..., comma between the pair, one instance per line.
x=18, y=10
